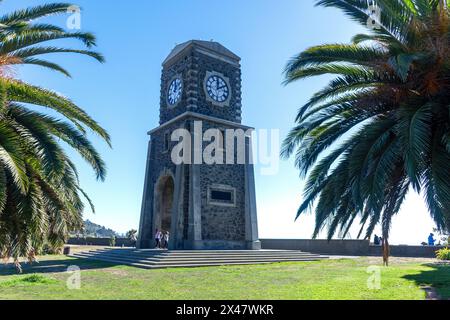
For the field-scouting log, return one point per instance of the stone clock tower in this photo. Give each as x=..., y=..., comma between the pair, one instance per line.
x=203, y=206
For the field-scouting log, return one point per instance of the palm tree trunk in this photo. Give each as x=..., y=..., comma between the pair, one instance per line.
x=386, y=248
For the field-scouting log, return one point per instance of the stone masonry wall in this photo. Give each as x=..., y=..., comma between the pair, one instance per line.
x=222, y=222
x=192, y=68
x=160, y=162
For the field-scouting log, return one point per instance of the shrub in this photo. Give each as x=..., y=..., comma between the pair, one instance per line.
x=443, y=254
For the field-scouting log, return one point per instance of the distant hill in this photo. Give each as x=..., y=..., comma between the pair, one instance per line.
x=95, y=230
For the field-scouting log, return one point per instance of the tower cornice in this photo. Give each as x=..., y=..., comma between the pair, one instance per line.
x=190, y=114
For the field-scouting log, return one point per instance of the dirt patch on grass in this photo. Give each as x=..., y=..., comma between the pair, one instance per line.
x=401, y=260
x=116, y=272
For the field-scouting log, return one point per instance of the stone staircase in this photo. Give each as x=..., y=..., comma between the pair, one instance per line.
x=156, y=259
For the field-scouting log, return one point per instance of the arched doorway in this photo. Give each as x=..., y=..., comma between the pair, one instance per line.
x=164, y=202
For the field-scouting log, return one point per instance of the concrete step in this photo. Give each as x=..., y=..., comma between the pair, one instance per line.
x=151, y=259
x=192, y=264
x=118, y=257
x=116, y=261
x=202, y=259
x=201, y=255
x=194, y=260
x=156, y=251
x=190, y=251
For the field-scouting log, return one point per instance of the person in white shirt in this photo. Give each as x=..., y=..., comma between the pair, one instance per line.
x=166, y=240
x=158, y=237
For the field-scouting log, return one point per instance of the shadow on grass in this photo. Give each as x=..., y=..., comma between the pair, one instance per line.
x=438, y=278
x=54, y=266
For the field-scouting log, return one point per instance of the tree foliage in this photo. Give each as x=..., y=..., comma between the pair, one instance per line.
x=40, y=195
x=381, y=126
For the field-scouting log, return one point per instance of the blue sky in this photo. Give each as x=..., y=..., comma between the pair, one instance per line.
x=123, y=94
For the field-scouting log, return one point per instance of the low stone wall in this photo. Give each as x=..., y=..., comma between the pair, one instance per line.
x=120, y=242
x=333, y=247
x=407, y=251
x=347, y=248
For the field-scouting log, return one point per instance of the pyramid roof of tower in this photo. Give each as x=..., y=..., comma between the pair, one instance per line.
x=208, y=45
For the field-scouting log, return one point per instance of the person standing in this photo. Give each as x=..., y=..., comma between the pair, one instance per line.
x=431, y=239
x=166, y=240
x=158, y=237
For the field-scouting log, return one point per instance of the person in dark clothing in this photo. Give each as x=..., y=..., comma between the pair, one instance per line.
x=376, y=240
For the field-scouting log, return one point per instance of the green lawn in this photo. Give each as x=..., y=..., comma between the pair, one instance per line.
x=333, y=279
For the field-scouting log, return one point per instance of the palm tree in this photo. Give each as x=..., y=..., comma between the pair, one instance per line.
x=382, y=126
x=40, y=195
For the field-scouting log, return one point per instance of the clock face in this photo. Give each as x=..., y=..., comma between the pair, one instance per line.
x=175, y=91
x=217, y=88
